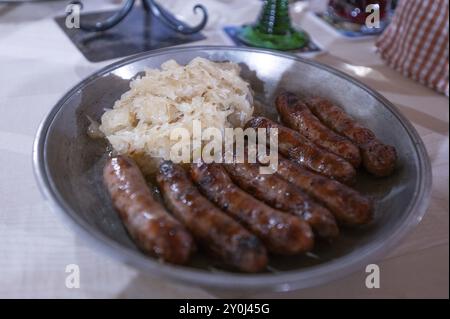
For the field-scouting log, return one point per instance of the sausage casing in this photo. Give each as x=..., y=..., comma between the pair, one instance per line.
x=153, y=229
x=212, y=228
x=295, y=114
x=378, y=159
x=298, y=148
x=347, y=205
x=280, y=232
x=282, y=195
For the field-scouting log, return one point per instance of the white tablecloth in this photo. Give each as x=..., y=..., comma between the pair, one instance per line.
x=38, y=64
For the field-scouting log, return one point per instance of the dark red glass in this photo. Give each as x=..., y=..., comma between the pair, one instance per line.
x=354, y=11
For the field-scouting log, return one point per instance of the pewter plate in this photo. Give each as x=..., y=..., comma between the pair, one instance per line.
x=68, y=166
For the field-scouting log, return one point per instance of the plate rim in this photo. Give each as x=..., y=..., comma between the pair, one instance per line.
x=288, y=280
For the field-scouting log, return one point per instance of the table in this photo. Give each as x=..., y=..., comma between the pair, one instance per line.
x=38, y=64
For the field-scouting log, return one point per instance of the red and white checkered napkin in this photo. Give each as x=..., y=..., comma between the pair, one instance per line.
x=416, y=42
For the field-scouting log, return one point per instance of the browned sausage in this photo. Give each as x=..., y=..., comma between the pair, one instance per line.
x=217, y=232
x=298, y=148
x=347, y=205
x=378, y=158
x=282, y=195
x=153, y=229
x=295, y=114
x=280, y=232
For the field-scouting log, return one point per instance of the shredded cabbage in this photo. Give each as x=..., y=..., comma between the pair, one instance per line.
x=140, y=122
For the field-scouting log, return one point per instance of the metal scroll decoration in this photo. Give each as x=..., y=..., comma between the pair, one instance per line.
x=151, y=7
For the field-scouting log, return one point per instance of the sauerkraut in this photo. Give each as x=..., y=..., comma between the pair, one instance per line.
x=140, y=122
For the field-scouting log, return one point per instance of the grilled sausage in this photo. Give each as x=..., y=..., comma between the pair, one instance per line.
x=280, y=232
x=218, y=233
x=298, y=148
x=379, y=159
x=282, y=195
x=153, y=229
x=347, y=205
x=295, y=114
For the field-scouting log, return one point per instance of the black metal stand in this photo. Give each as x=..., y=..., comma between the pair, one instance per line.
x=151, y=7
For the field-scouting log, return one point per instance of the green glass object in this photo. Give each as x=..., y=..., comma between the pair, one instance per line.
x=273, y=30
